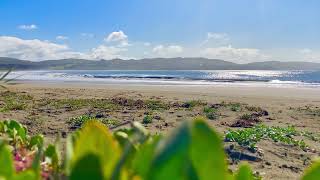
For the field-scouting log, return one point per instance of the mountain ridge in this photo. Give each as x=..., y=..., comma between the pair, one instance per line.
x=194, y=63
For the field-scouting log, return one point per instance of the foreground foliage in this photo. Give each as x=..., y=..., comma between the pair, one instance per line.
x=193, y=151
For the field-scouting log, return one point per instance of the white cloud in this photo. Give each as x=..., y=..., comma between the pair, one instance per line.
x=118, y=37
x=305, y=51
x=239, y=55
x=309, y=55
x=216, y=38
x=37, y=50
x=31, y=49
x=106, y=52
x=147, y=44
x=62, y=38
x=167, y=51
x=28, y=27
x=87, y=35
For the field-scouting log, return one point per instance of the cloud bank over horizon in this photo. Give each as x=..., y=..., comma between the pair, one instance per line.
x=117, y=45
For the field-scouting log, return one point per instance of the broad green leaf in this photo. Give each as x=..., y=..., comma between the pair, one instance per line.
x=127, y=154
x=1, y=127
x=207, y=152
x=171, y=157
x=6, y=163
x=51, y=152
x=87, y=167
x=313, y=172
x=25, y=175
x=36, y=140
x=244, y=173
x=69, y=154
x=142, y=160
x=95, y=138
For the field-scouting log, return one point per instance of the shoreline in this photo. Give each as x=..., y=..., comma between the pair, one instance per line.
x=234, y=90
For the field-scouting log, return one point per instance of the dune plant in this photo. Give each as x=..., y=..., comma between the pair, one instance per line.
x=3, y=81
x=192, y=151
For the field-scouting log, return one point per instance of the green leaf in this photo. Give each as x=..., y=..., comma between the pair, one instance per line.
x=171, y=158
x=95, y=138
x=207, y=152
x=142, y=160
x=36, y=140
x=51, y=152
x=69, y=154
x=25, y=175
x=313, y=172
x=87, y=167
x=244, y=173
x=6, y=163
x=128, y=152
x=5, y=74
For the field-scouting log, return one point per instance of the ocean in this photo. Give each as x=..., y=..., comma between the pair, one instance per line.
x=188, y=77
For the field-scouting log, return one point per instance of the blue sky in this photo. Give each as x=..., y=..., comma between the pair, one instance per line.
x=236, y=30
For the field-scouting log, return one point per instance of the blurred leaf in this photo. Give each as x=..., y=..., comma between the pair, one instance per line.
x=36, y=140
x=87, y=167
x=36, y=166
x=5, y=74
x=25, y=175
x=207, y=152
x=142, y=160
x=95, y=138
x=313, y=172
x=51, y=152
x=16, y=130
x=69, y=154
x=6, y=163
x=171, y=158
x=129, y=151
x=244, y=173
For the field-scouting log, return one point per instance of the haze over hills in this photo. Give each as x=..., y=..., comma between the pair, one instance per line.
x=152, y=64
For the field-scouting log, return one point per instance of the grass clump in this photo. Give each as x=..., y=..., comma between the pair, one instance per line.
x=156, y=105
x=254, y=108
x=77, y=122
x=211, y=113
x=309, y=110
x=245, y=117
x=147, y=119
x=193, y=103
x=249, y=137
x=74, y=104
x=236, y=107
x=14, y=101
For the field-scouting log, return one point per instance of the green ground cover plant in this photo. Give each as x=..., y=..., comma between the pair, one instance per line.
x=249, y=137
x=192, y=151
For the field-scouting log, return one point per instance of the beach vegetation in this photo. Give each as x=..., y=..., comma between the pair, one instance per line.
x=254, y=108
x=3, y=80
x=193, y=103
x=147, y=119
x=12, y=101
x=193, y=150
x=156, y=105
x=74, y=104
x=79, y=121
x=310, y=110
x=211, y=113
x=235, y=107
x=249, y=137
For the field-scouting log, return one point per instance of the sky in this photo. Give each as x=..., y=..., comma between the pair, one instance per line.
x=240, y=31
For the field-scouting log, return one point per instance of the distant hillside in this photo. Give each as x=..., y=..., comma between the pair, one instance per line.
x=152, y=64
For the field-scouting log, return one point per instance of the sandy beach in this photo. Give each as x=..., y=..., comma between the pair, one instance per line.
x=49, y=106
